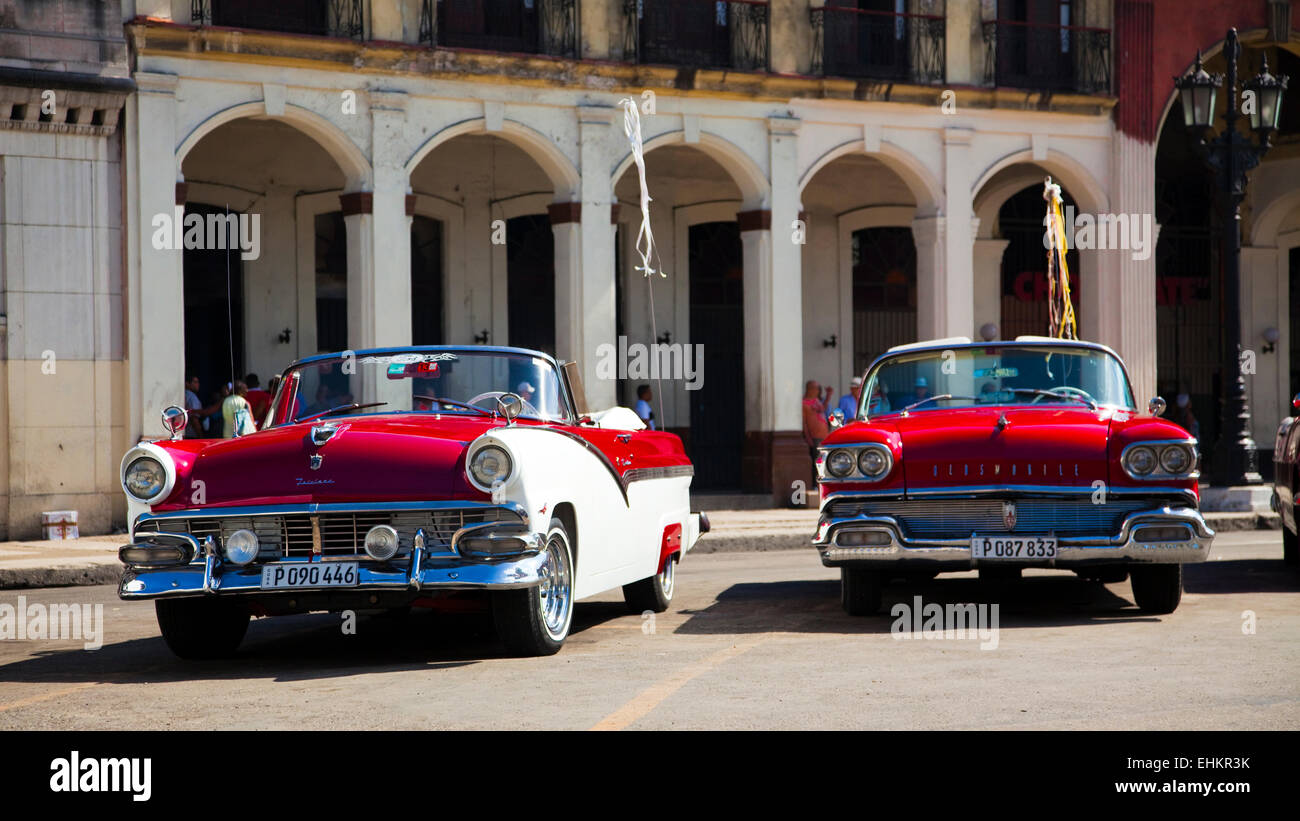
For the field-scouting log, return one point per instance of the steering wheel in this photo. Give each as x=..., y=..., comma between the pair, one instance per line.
x=1067, y=390
x=492, y=396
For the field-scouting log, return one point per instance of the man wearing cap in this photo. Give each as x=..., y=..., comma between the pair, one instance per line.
x=525, y=391
x=849, y=401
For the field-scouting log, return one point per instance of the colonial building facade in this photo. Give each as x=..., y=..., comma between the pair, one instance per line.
x=827, y=181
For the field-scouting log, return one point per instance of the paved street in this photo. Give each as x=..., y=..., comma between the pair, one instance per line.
x=754, y=640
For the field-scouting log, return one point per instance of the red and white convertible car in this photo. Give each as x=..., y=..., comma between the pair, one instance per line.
x=407, y=477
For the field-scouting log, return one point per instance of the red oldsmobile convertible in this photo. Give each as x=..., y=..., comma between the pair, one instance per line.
x=408, y=477
x=1006, y=455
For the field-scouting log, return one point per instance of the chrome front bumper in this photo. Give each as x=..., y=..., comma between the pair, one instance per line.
x=461, y=565
x=1072, y=551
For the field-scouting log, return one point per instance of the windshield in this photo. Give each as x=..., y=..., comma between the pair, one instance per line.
x=995, y=375
x=420, y=381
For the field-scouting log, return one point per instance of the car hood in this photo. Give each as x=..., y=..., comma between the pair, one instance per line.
x=971, y=447
x=372, y=458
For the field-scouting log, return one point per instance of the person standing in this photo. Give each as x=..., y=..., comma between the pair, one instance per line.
x=815, y=428
x=258, y=399
x=643, y=407
x=236, y=415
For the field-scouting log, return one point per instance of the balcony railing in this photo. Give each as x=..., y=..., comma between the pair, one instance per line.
x=522, y=26
x=1047, y=57
x=853, y=42
x=325, y=18
x=697, y=33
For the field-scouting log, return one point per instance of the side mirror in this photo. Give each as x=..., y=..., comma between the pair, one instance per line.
x=1156, y=406
x=837, y=419
x=174, y=420
x=510, y=406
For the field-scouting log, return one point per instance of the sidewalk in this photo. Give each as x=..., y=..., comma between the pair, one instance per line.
x=93, y=560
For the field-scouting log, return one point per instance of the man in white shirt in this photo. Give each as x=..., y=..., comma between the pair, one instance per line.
x=643, y=407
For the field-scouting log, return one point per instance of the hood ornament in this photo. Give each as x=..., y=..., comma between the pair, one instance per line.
x=1002, y=423
x=320, y=434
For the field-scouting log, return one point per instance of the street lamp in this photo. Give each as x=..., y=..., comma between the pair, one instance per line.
x=1232, y=155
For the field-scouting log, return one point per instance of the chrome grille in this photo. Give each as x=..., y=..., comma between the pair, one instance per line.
x=959, y=518
x=342, y=534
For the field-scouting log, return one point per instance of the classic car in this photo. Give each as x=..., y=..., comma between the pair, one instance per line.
x=408, y=477
x=1286, y=482
x=1004, y=455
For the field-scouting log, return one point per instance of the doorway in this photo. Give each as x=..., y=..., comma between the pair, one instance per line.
x=717, y=435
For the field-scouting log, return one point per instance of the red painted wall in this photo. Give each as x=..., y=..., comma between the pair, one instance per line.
x=1156, y=40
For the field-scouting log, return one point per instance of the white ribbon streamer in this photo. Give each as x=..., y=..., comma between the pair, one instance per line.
x=645, y=238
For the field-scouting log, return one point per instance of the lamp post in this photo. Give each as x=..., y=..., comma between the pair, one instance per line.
x=1232, y=155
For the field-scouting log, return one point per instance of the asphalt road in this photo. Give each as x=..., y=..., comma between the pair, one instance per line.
x=753, y=640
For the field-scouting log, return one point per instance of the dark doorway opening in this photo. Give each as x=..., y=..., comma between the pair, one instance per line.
x=884, y=292
x=331, y=282
x=717, y=435
x=1295, y=328
x=530, y=282
x=214, y=312
x=426, y=281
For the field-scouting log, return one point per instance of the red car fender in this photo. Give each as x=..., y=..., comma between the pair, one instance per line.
x=671, y=543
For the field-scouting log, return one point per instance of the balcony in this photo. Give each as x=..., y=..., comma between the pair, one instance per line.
x=323, y=18
x=520, y=26
x=697, y=33
x=1047, y=57
x=877, y=45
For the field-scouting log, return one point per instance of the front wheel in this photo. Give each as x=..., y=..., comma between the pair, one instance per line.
x=860, y=591
x=202, y=628
x=653, y=594
x=535, y=621
x=1157, y=588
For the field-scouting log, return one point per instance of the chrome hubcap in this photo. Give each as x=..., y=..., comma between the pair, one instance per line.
x=555, y=592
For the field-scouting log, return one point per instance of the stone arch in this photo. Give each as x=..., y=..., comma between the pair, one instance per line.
x=350, y=158
x=1083, y=186
x=539, y=148
x=742, y=169
x=924, y=185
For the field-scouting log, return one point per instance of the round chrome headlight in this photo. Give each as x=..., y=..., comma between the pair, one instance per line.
x=144, y=478
x=1176, y=459
x=839, y=463
x=490, y=465
x=241, y=547
x=1141, y=460
x=873, y=462
x=381, y=543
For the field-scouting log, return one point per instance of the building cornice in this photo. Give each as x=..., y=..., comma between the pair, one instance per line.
x=164, y=39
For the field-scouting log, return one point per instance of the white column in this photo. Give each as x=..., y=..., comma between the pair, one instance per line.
x=954, y=302
x=584, y=260
x=1118, y=299
x=988, y=282
x=785, y=311
x=156, y=331
x=379, y=242
x=1260, y=309
x=756, y=250
x=928, y=234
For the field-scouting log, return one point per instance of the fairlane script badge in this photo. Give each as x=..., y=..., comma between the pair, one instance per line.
x=1009, y=515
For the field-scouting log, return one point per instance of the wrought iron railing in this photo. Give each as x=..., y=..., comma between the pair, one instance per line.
x=853, y=42
x=523, y=26
x=697, y=33
x=1047, y=57
x=326, y=18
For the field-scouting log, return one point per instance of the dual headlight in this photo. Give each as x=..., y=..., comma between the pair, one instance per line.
x=868, y=462
x=1151, y=460
x=490, y=465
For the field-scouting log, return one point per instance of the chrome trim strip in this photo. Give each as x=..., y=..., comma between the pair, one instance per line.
x=668, y=472
x=333, y=507
x=1121, y=545
x=1015, y=491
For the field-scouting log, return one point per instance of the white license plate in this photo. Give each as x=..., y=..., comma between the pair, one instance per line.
x=323, y=574
x=1013, y=548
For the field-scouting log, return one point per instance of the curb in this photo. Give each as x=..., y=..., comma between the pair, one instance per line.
x=85, y=576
